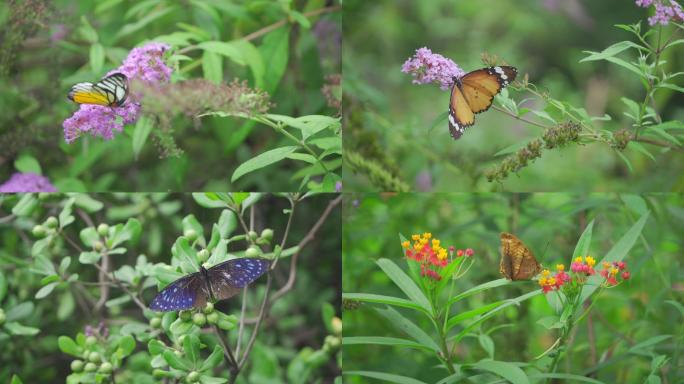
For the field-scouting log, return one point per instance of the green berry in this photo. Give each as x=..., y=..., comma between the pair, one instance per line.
x=105, y=368
x=77, y=365
x=252, y=251
x=267, y=234
x=39, y=231
x=252, y=235
x=209, y=308
x=202, y=255
x=51, y=222
x=199, y=319
x=90, y=341
x=90, y=367
x=336, y=325
x=94, y=357
x=191, y=235
x=155, y=322
x=103, y=229
x=98, y=246
x=213, y=318
x=193, y=377
x=186, y=315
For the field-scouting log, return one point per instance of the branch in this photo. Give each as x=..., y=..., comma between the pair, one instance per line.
x=282, y=22
x=119, y=284
x=513, y=115
x=658, y=143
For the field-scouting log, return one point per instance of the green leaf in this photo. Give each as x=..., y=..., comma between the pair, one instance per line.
x=21, y=330
x=190, y=222
x=25, y=205
x=186, y=253
x=392, y=378
x=3, y=286
x=155, y=347
x=203, y=199
x=191, y=346
x=550, y=322
x=309, y=124
x=508, y=371
x=46, y=290
x=466, y=315
x=176, y=362
x=300, y=19
x=213, y=360
x=142, y=130
x=16, y=380
x=611, y=51
x=180, y=327
x=479, y=288
x=408, y=327
x=646, y=344
x=227, y=223
x=262, y=160
x=69, y=346
x=27, y=164
x=567, y=376
x=404, y=282
x=381, y=299
x=97, y=57
x=212, y=66
x=625, y=160
x=617, y=253
x=275, y=51
x=136, y=26
x=19, y=311
x=89, y=236
x=65, y=216
x=89, y=257
x=66, y=306
x=487, y=344
x=392, y=341
x=126, y=346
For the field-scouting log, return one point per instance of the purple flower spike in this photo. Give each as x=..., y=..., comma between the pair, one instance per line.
x=27, y=182
x=665, y=11
x=144, y=64
x=427, y=67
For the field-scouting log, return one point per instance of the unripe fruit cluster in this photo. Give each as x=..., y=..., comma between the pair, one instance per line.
x=92, y=360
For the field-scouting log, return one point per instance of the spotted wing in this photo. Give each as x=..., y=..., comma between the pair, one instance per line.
x=460, y=114
x=479, y=87
x=226, y=279
x=184, y=293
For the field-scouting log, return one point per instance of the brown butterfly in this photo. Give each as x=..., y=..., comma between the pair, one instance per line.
x=517, y=261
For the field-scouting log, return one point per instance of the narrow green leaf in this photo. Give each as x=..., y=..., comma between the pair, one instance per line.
x=176, y=362
x=262, y=160
x=21, y=330
x=27, y=164
x=408, y=327
x=191, y=346
x=212, y=66
x=20, y=311
x=275, y=51
x=142, y=130
x=89, y=257
x=508, y=371
x=213, y=360
x=69, y=346
x=375, y=340
x=46, y=290
x=611, y=51
x=392, y=378
x=404, y=282
x=97, y=56
x=3, y=286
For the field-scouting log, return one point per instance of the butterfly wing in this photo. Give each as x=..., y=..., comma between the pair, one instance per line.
x=226, y=279
x=110, y=91
x=479, y=87
x=184, y=293
x=460, y=114
x=517, y=261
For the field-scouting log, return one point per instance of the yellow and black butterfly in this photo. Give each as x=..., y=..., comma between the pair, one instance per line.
x=517, y=261
x=473, y=93
x=111, y=91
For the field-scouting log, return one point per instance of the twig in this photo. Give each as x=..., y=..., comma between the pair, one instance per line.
x=116, y=281
x=282, y=22
x=658, y=143
x=255, y=332
x=513, y=115
x=227, y=353
x=104, y=288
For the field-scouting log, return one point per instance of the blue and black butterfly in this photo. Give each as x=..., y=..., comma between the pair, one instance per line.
x=216, y=283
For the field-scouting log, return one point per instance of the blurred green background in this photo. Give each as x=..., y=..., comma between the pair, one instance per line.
x=44, y=50
x=389, y=119
x=550, y=224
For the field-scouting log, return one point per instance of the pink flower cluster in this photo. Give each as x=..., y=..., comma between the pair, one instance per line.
x=27, y=182
x=665, y=11
x=427, y=67
x=144, y=64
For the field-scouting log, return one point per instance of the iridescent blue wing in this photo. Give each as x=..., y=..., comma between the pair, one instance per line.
x=184, y=293
x=226, y=279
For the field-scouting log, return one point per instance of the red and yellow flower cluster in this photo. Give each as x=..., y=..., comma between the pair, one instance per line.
x=430, y=254
x=581, y=268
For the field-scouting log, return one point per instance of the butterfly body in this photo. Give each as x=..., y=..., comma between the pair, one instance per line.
x=111, y=91
x=474, y=93
x=517, y=261
x=219, y=282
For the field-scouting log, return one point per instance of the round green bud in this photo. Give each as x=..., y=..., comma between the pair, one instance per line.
x=155, y=322
x=94, y=357
x=199, y=319
x=135, y=281
x=213, y=318
x=85, y=354
x=39, y=231
x=98, y=246
x=252, y=252
x=267, y=234
x=252, y=235
x=105, y=367
x=336, y=325
x=77, y=365
x=159, y=373
x=3, y=317
x=193, y=377
x=178, y=353
x=186, y=315
x=333, y=341
x=91, y=340
x=191, y=234
x=209, y=308
x=103, y=229
x=51, y=222
x=202, y=255
x=150, y=213
x=90, y=367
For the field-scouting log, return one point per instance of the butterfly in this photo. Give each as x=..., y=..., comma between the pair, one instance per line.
x=219, y=282
x=111, y=91
x=517, y=261
x=473, y=93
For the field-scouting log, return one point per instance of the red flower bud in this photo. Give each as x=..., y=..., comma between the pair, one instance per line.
x=626, y=275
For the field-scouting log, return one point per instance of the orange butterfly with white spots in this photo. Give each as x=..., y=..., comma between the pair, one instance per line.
x=474, y=93
x=111, y=91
